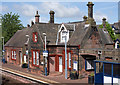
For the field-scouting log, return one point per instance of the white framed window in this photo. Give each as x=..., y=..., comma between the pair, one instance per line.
x=90, y=64
x=69, y=59
x=64, y=35
x=35, y=38
x=13, y=54
x=35, y=58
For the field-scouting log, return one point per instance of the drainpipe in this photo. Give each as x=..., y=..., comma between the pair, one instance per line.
x=78, y=61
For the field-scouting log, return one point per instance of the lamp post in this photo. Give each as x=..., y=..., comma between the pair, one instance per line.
x=27, y=51
x=65, y=55
x=45, y=57
x=3, y=46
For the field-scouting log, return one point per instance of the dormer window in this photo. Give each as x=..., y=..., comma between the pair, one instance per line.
x=117, y=45
x=35, y=37
x=64, y=34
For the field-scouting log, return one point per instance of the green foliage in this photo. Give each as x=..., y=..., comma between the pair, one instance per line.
x=10, y=24
x=92, y=74
x=110, y=31
x=117, y=36
x=101, y=26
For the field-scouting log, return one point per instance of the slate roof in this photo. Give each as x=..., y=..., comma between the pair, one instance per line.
x=106, y=39
x=82, y=34
x=78, y=34
x=50, y=29
x=78, y=37
x=19, y=38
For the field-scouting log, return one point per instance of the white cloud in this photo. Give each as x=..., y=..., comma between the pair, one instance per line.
x=26, y=9
x=44, y=19
x=60, y=10
x=32, y=19
x=98, y=16
x=3, y=8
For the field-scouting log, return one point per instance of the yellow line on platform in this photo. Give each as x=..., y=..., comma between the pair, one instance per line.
x=33, y=77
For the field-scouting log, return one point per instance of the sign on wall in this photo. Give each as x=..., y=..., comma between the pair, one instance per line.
x=45, y=53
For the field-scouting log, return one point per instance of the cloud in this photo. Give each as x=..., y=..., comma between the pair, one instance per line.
x=26, y=9
x=60, y=10
x=3, y=8
x=98, y=16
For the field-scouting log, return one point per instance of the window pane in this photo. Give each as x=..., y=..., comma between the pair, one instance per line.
x=116, y=70
x=35, y=37
x=37, y=57
x=33, y=57
x=107, y=69
x=14, y=54
x=69, y=60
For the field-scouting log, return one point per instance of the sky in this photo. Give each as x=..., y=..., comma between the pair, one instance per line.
x=64, y=11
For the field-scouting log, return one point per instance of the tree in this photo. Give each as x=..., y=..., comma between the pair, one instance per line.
x=109, y=29
x=10, y=24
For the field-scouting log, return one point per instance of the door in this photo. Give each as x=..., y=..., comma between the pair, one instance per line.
x=60, y=64
x=25, y=59
x=20, y=58
x=52, y=63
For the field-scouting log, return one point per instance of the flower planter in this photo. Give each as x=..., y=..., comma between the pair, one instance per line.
x=90, y=79
x=25, y=65
x=73, y=75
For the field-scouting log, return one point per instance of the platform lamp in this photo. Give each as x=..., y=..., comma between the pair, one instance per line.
x=45, y=58
x=27, y=50
x=3, y=47
x=65, y=31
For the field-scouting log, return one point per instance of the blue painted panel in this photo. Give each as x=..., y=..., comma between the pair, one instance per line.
x=85, y=64
x=99, y=78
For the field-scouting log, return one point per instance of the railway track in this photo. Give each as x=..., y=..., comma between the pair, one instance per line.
x=28, y=78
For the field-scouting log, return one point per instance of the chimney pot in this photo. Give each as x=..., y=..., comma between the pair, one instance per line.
x=85, y=18
x=51, y=16
x=32, y=23
x=28, y=25
x=37, y=17
x=90, y=9
x=104, y=22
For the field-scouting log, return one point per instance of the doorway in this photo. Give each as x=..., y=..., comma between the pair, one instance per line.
x=60, y=64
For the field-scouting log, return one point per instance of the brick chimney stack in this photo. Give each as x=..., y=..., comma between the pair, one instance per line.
x=85, y=18
x=51, y=16
x=90, y=9
x=104, y=22
x=37, y=17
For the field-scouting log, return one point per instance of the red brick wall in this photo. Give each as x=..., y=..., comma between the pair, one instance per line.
x=93, y=42
x=8, y=53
